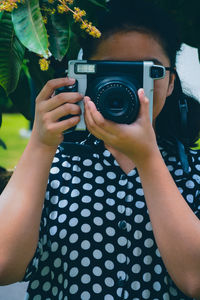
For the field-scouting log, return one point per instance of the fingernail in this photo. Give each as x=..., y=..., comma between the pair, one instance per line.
x=71, y=79
x=141, y=92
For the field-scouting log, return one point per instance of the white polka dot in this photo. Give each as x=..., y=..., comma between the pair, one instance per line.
x=173, y=291
x=121, y=258
x=97, y=254
x=57, y=262
x=55, y=291
x=87, y=187
x=85, y=262
x=110, y=201
x=190, y=184
x=109, y=265
x=139, y=218
x=197, y=167
x=147, y=277
x=67, y=176
x=146, y=294
x=178, y=172
x=97, y=271
x=109, y=248
x=64, y=250
x=111, y=175
x=62, y=218
x=73, y=222
x=139, y=204
x=135, y=285
x=85, y=279
x=108, y=297
x=62, y=233
x=73, y=255
x=37, y=297
x=111, y=188
x=121, y=209
x=98, y=206
x=55, y=170
x=75, y=193
x=148, y=243
x=98, y=167
x=73, y=289
x=166, y=296
x=53, y=230
x=53, y=215
x=140, y=192
x=62, y=203
x=60, y=278
x=137, y=234
x=157, y=286
x=98, y=221
x=121, y=194
x=129, y=198
x=85, y=295
x=147, y=260
x=86, y=199
x=197, y=178
x=76, y=180
x=148, y=226
x=54, y=199
x=88, y=174
x=136, y=268
x=110, y=216
x=85, y=245
x=99, y=180
x=73, y=238
x=122, y=241
x=46, y=286
x=97, y=288
x=73, y=272
x=54, y=246
x=64, y=190
x=35, y=284
x=87, y=162
x=55, y=184
x=85, y=228
x=45, y=271
x=137, y=251
x=99, y=193
x=98, y=237
x=73, y=207
x=110, y=231
x=158, y=269
x=66, y=164
x=85, y=213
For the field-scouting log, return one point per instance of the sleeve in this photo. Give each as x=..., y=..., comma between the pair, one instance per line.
x=41, y=249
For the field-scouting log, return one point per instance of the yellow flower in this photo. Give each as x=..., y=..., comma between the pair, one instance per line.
x=8, y=5
x=44, y=64
x=61, y=8
x=78, y=14
x=51, y=1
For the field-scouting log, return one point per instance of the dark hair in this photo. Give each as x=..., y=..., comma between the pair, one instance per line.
x=144, y=16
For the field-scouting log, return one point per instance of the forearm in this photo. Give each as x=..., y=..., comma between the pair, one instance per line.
x=20, y=207
x=175, y=226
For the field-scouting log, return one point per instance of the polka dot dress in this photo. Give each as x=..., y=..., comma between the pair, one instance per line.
x=96, y=239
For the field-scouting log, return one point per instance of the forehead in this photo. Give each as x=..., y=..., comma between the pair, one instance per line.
x=131, y=45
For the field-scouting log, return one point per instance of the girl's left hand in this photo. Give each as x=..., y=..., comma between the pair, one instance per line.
x=137, y=140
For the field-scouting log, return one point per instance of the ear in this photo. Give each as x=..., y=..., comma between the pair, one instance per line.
x=171, y=84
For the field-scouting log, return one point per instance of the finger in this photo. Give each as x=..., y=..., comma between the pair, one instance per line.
x=144, y=104
x=95, y=122
x=64, y=110
x=52, y=85
x=62, y=126
x=61, y=99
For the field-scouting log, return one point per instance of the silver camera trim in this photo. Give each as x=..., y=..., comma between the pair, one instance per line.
x=148, y=85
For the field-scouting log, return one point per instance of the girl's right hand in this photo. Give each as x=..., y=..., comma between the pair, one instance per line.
x=47, y=128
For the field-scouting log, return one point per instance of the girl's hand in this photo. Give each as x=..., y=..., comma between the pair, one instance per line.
x=48, y=129
x=137, y=140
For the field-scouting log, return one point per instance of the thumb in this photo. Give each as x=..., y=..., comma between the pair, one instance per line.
x=144, y=105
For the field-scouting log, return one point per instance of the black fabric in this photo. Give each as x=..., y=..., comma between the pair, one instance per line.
x=96, y=239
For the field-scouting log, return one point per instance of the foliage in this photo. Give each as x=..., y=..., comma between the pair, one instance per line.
x=42, y=34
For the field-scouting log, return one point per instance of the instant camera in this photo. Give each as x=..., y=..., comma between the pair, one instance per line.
x=113, y=86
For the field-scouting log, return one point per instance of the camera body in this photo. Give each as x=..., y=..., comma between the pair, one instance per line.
x=113, y=86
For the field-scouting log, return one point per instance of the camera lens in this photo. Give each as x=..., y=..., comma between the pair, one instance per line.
x=117, y=101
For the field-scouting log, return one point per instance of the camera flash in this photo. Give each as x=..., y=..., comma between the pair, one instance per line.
x=85, y=68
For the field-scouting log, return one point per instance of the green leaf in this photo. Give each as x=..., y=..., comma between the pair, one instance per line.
x=29, y=27
x=11, y=55
x=97, y=3
x=3, y=99
x=2, y=144
x=1, y=14
x=59, y=31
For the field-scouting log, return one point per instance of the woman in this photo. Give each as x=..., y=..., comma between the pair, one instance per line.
x=115, y=224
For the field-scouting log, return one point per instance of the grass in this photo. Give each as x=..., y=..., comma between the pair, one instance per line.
x=9, y=133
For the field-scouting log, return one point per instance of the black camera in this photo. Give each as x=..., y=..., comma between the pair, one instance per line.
x=113, y=86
